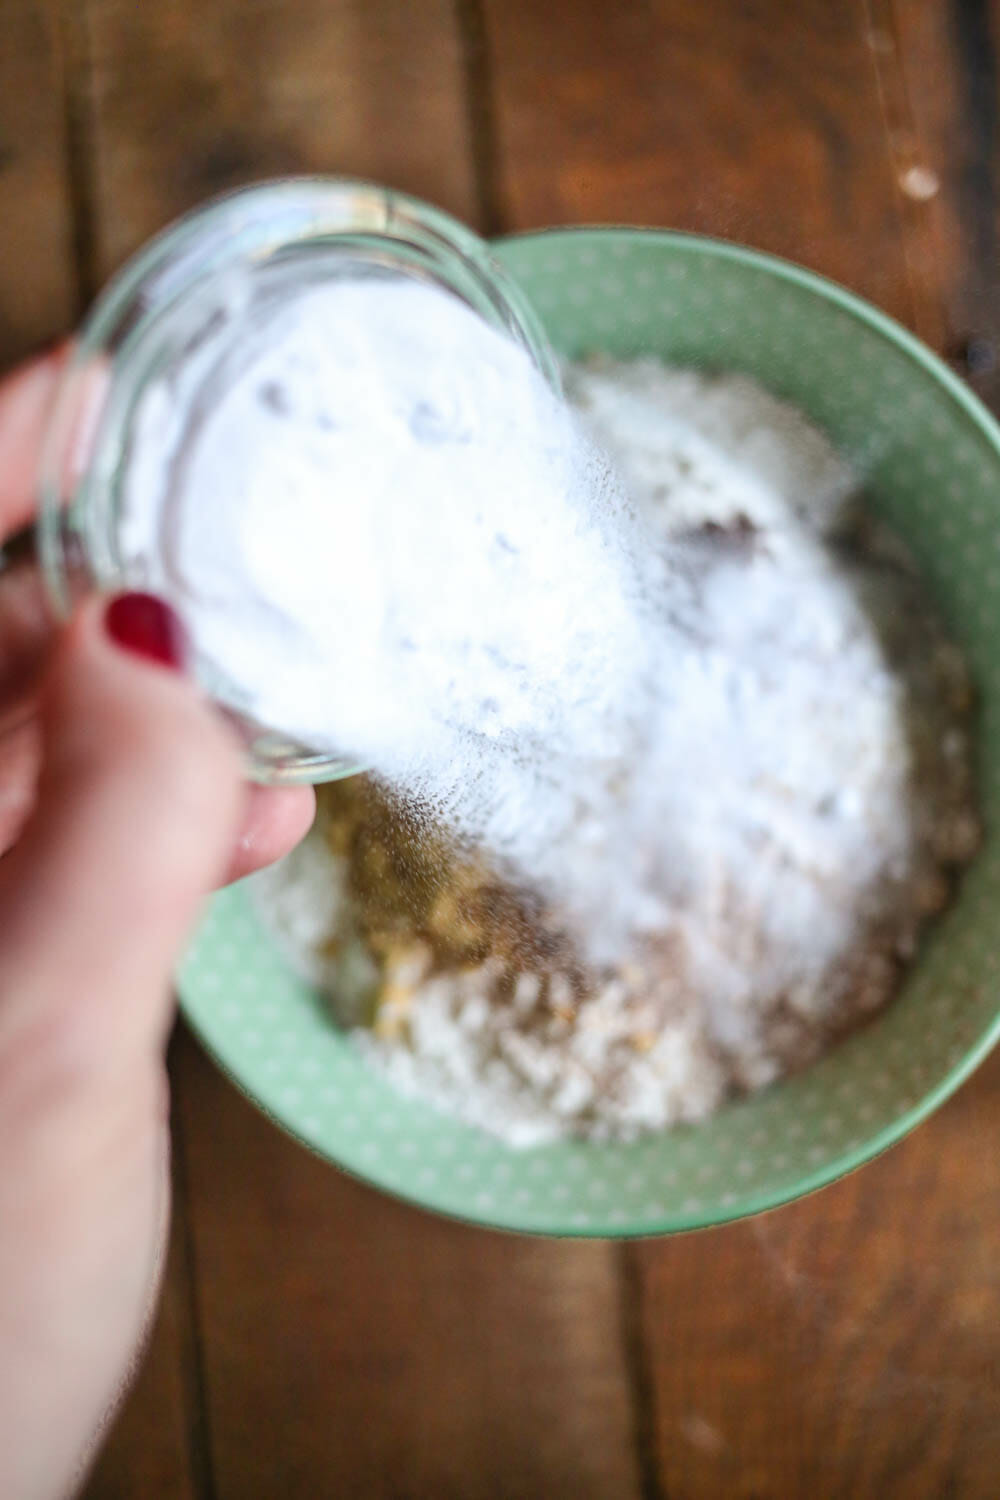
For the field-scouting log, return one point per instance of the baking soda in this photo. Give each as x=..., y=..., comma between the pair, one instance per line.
x=388, y=541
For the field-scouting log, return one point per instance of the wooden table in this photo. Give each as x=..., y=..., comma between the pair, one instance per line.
x=315, y=1338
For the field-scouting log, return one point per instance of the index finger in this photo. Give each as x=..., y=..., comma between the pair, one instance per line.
x=25, y=402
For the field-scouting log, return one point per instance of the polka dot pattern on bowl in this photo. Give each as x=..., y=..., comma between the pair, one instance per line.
x=930, y=455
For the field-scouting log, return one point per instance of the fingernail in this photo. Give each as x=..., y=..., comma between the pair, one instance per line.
x=143, y=624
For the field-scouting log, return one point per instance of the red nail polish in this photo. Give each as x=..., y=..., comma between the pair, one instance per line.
x=145, y=625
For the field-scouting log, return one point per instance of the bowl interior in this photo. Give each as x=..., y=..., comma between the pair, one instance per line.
x=931, y=456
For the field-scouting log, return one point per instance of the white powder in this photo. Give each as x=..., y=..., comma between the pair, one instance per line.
x=703, y=743
x=387, y=542
x=754, y=871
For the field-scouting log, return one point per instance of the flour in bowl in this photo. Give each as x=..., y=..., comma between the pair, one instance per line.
x=731, y=866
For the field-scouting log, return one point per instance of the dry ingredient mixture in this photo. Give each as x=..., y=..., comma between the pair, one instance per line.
x=730, y=867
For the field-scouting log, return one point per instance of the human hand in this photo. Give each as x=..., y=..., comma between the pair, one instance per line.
x=121, y=805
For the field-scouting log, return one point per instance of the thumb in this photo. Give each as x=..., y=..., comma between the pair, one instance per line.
x=138, y=804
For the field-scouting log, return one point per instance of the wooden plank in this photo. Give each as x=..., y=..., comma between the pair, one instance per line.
x=753, y=119
x=151, y=1450
x=156, y=1446
x=348, y=1345
x=37, y=279
x=189, y=99
x=845, y=1347
x=939, y=71
x=355, y=1346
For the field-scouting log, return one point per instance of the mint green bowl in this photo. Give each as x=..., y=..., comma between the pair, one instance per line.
x=932, y=456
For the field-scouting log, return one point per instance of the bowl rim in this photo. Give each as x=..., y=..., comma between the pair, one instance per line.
x=752, y=1203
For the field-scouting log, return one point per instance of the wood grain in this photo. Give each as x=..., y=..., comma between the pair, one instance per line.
x=845, y=1347
x=190, y=98
x=37, y=276
x=156, y=1447
x=149, y=1452
x=753, y=119
x=355, y=1346
x=939, y=66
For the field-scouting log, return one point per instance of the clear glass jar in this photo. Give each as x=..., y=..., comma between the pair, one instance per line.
x=178, y=291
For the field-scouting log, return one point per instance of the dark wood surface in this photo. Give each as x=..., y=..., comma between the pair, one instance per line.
x=316, y=1339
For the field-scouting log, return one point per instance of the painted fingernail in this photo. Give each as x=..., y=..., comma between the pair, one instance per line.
x=143, y=624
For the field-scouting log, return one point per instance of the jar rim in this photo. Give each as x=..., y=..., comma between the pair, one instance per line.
x=263, y=216
x=250, y=225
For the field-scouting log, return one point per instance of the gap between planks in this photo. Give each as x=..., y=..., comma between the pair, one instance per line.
x=193, y=1378
x=72, y=17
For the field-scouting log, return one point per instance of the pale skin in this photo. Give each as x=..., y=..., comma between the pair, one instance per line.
x=121, y=806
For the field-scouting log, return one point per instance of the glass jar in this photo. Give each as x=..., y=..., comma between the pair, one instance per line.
x=189, y=285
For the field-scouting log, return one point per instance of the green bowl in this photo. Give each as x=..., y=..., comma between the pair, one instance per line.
x=932, y=456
